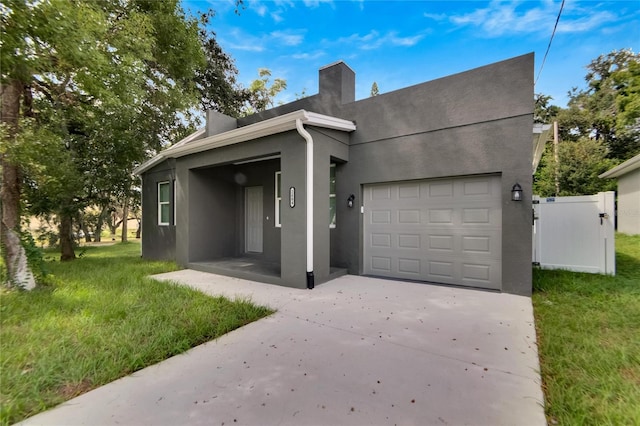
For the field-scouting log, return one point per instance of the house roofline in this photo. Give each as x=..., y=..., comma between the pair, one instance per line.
x=159, y=158
x=622, y=169
x=268, y=127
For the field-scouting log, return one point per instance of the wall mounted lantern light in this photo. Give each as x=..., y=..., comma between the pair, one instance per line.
x=516, y=192
x=350, y=200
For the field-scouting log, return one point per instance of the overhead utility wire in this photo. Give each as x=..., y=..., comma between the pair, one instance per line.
x=550, y=40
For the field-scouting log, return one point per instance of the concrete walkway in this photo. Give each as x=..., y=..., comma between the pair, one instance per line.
x=353, y=351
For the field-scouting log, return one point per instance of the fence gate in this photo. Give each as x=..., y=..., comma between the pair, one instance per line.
x=575, y=233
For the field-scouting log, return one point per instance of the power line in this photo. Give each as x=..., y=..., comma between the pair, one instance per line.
x=550, y=40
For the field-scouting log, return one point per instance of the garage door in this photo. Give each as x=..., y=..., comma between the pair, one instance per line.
x=446, y=231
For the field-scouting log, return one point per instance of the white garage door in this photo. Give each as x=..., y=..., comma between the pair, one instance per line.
x=446, y=231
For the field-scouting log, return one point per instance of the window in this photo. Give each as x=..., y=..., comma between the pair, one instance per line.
x=164, y=194
x=332, y=196
x=278, y=197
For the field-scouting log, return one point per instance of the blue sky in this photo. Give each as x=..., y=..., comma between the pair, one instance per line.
x=401, y=43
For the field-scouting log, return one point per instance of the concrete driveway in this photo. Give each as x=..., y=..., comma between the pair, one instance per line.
x=353, y=351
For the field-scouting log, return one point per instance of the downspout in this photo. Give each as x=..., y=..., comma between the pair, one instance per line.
x=309, y=190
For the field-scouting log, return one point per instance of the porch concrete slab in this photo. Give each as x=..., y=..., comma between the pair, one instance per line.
x=353, y=351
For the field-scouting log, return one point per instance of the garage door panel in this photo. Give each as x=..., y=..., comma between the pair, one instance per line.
x=446, y=231
x=409, y=191
x=409, y=217
x=440, y=216
x=380, y=217
x=476, y=244
x=381, y=263
x=409, y=241
x=409, y=266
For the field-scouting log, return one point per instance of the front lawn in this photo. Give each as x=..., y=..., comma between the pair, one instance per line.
x=589, y=341
x=98, y=319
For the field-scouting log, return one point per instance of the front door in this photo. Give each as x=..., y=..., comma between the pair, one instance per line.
x=253, y=219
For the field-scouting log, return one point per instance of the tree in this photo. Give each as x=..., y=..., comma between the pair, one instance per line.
x=261, y=93
x=599, y=129
x=544, y=112
x=612, y=83
x=627, y=99
x=88, y=90
x=374, y=89
x=217, y=81
x=580, y=164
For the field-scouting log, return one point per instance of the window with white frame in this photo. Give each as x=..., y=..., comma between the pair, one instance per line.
x=278, y=197
x=332, y=196
x=164, y=203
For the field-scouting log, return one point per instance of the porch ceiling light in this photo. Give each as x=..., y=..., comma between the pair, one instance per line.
x=516, y=192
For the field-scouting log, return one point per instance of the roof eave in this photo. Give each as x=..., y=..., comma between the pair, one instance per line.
x=540, y=136
x=622, y=169
x=268, y=127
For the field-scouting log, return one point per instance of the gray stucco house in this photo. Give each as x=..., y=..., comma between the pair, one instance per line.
x=413, y=184
x=628, y=209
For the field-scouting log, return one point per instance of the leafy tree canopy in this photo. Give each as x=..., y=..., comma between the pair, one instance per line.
x=599, y=129
x=92, y=88
x=609, y=108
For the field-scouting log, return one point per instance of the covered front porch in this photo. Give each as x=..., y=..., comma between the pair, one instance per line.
x=259, y=209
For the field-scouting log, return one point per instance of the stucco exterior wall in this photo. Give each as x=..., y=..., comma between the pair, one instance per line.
x=159, y=242
x=629, y=203
x=476, y=122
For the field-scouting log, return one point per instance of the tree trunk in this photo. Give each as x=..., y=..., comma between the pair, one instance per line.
x=139, y=230
x=66, y=241
x=125, y=220
x=15, y=258
x=98, y=235
x=85, y=230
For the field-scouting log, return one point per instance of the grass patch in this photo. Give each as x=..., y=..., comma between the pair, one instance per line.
x=98, y=319
x=589, y=341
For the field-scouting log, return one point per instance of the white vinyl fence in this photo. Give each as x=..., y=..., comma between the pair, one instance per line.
x=575, y=233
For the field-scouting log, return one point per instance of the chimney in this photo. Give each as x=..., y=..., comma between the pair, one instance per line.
x=217, y=122
x=338, y=81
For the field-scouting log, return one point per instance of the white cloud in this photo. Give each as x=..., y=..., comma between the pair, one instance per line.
x=287, y=38
x=249, y=47
x=404, y=41
x=374, y=40
x=309, y=56
x=288, y=3
x=241, y=40
x=238, y=39
x=500, y=18
x=261, y=9
x=316, y=3
x=586, y=23
x=435, y=16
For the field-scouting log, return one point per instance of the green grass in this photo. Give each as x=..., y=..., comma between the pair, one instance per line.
x=98, y=319
x=589, y=341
